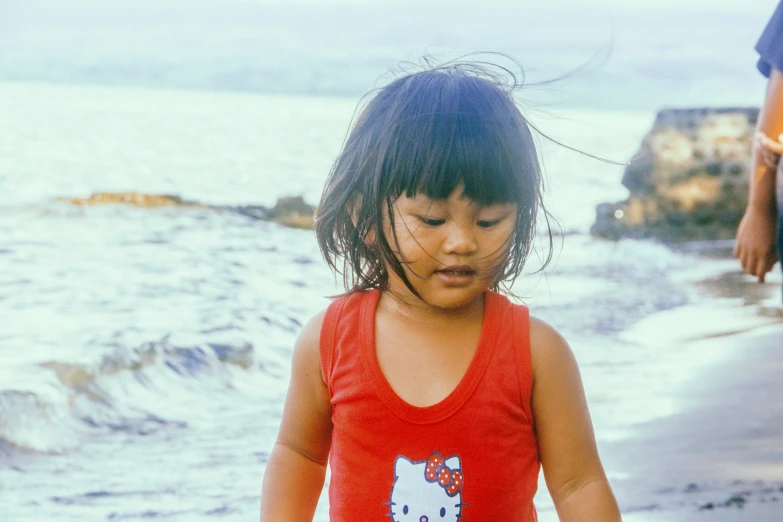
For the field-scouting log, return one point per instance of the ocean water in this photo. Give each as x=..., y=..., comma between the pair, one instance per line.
x=145, y=352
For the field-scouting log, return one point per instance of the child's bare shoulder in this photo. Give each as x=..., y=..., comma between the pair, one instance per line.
x=307, y=354
x=310, y=334
x=548, y=348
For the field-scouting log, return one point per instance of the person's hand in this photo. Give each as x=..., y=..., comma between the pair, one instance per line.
x=756, y=235
x=755, y=246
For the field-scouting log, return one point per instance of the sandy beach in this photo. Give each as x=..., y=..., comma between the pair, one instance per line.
x=721, y=457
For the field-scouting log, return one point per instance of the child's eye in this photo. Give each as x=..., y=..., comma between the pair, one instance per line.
x=488, y=223
x=431, y=222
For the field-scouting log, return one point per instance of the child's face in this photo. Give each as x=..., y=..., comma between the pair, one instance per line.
x=451, y=249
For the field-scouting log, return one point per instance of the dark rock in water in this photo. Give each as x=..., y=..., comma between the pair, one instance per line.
x=242, y=356
x=689, y=179
x=288, y=211
x=252, y=211
x=293, y=212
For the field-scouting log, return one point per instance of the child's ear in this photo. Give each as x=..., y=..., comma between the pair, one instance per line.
x=355, y=208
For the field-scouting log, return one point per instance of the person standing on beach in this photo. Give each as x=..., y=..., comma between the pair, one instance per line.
x=430, y=394
x=756, y=235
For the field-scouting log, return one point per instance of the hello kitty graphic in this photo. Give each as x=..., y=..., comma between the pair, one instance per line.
x=427, y=490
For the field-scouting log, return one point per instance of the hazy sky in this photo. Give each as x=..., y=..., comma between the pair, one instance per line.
x=747, y=6
x=661, y=50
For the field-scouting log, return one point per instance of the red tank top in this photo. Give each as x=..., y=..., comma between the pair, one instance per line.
x=473, y=455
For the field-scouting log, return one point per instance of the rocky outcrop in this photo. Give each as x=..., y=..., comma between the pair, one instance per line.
x=689, y=179
x=292, y=212
x=130, y=198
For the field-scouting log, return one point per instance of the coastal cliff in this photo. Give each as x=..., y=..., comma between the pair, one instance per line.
x=688, y=180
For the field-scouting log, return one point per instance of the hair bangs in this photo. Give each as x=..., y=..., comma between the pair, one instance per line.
x=458, y=134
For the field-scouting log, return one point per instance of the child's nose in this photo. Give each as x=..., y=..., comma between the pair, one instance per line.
x=423, y=518
x=459, y=241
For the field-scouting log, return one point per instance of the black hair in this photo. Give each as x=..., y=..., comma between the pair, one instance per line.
x=428, y=132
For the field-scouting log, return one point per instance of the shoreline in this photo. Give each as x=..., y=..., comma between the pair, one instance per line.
x=720, y=457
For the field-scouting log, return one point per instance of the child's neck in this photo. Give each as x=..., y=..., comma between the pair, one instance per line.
x=413, y=309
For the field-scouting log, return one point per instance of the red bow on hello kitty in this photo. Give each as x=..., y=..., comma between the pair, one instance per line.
x=437, y=471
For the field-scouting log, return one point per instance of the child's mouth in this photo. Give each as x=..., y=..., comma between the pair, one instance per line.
x=457, y=271
x=456, y=275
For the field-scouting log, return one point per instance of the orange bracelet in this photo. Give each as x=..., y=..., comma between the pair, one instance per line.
x=768, y=150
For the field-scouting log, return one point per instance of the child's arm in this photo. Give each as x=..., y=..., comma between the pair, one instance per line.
x=295, y=472
x=566, y=444
x=755, y=246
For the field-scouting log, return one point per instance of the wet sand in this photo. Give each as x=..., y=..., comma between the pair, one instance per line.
x=721, y=458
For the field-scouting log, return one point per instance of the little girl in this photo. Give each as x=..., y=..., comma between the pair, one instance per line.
x=431, y=396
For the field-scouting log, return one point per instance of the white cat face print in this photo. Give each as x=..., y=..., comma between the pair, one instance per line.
x=428, y=490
